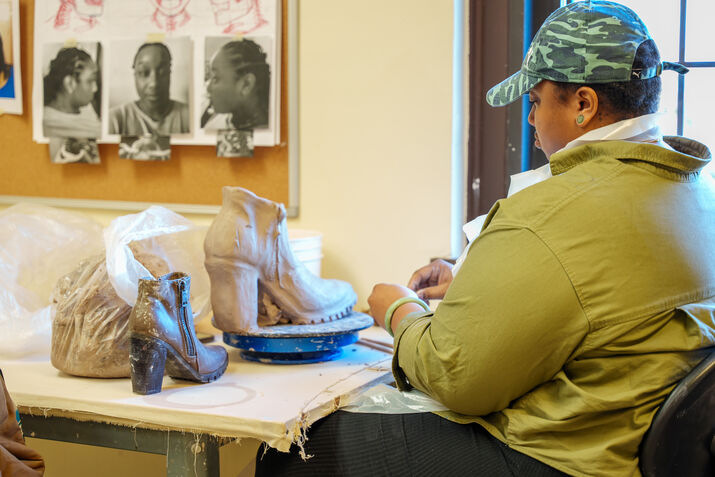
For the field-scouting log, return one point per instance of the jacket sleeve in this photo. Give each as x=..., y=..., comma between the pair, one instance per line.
x=509, y=322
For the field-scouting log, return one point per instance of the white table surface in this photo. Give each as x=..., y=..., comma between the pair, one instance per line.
x=269, y=402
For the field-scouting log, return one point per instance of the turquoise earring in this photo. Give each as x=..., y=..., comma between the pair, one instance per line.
x=579, y=119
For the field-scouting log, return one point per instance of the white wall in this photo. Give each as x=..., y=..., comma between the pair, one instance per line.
x=375, y=119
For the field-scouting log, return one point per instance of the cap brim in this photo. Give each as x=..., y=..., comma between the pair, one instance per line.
x=511, y=89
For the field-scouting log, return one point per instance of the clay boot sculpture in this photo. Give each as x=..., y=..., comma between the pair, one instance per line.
x=161, y=332
x=247, y=244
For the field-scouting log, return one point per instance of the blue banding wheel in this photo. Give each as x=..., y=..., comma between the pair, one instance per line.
x=299, y=344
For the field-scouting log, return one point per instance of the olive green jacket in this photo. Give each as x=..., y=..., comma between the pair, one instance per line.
x=585, y=299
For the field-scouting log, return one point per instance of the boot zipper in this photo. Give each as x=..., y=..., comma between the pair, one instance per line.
x=184, y=319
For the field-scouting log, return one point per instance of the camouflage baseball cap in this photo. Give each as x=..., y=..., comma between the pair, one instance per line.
x=583, y=42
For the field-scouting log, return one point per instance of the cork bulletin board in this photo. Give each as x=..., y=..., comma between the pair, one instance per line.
x=190, y=181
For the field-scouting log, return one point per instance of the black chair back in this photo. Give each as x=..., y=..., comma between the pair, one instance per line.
x=681, y=438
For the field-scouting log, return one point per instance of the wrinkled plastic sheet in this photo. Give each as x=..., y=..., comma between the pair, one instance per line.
x=38, y=245
x=90, y=326
x=385, y=399
x=168, y=237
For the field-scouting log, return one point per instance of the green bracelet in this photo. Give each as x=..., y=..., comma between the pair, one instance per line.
x=396, y=304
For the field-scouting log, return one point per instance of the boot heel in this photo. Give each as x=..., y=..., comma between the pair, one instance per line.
x=234, y=295
x=147, y=357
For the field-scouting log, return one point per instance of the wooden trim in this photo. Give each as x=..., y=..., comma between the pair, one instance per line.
x=495, y=144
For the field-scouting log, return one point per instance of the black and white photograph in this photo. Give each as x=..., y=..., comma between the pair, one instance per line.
x=237, y=77
x=149, y=91
x=234, y=143
x=72, y=90
x=145, y=148
x=69, y=150
x=132, y=105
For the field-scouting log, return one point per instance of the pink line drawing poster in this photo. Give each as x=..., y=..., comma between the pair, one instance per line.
x=70, y=22
x=77, y=15
x=10, y=74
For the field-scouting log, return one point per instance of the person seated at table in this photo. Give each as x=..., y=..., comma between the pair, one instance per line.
x=581, y=304
x=154, y=113
x=69, y=90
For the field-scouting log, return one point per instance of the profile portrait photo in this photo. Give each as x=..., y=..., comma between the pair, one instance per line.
x=7, y=69
x=237, y=77
x=72, y=90
x=149, y=90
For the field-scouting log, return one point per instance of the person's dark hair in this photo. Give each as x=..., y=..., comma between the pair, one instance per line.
x=626, y=99
x=164, y=49
x=68, y=62
x=247, y=56
x=4, y=67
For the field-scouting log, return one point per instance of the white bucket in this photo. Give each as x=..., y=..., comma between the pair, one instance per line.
x=307, y=247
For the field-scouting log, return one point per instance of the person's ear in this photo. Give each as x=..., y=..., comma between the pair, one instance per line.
x=69, y=83
x=247, y=83
x=587, y=107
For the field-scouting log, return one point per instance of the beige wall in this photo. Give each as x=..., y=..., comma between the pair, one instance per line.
x=375, y=106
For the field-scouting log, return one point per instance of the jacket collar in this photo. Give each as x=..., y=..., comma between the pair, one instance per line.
x=688, y=156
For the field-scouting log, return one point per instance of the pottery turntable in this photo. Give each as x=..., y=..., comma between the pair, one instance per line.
x=299, y=344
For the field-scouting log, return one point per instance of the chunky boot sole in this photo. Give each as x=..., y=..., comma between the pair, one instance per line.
x=295, y=315
x=148, y=358
x=305, y=317
x=234, y=298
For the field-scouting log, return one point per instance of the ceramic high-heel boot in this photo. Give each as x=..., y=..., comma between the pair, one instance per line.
x=162, y=337
x=247, y=244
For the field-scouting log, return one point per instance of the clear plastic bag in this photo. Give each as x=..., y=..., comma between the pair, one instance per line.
x=90, y=328
x=384, y=399
x=38, y=245
x=90, y=325
x=166, y=236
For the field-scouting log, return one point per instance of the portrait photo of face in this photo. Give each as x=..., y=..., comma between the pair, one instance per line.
x=237, y=77
x=72, y=90
x=149, y=92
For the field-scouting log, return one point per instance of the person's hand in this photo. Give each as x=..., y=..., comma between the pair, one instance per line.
x=383, y=295
x=432, y=281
